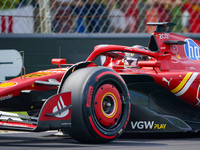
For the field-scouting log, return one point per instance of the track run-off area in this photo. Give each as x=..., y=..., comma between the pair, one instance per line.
x=50, y=141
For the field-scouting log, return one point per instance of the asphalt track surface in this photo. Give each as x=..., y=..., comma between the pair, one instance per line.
x=47, y=140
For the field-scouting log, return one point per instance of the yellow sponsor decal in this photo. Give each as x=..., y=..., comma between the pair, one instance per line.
x=35, y=75
x=7, y=84
x=180, y=86
x=160, y=126
x=178, y=56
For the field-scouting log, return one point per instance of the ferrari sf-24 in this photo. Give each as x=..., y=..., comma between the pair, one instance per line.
x=118, y=89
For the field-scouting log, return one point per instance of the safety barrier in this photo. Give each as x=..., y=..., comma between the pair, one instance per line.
x=96, y=16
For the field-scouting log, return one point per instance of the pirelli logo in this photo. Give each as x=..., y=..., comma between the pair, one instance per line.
x=89, y=97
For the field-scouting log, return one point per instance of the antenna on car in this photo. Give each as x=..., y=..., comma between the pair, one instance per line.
x=23, y=70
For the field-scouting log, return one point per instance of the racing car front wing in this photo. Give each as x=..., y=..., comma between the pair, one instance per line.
x=55, y=114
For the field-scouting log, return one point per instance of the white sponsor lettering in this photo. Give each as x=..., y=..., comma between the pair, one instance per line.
x=192, y=50
x=142, y=124
x=147, y=125
x=163, y=47
x=164, y=36
x=6, y=97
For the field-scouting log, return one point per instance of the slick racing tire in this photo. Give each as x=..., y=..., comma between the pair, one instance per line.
x=100, y=104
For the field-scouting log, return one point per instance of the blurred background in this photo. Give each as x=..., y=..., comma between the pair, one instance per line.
x=97, y=16
x=70, y=29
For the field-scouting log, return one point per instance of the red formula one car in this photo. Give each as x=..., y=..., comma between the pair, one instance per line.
x=117, y=89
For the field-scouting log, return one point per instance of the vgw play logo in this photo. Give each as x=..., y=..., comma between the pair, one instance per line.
x=192, y=50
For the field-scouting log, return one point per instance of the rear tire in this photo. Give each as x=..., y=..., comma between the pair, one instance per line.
x=100, y=104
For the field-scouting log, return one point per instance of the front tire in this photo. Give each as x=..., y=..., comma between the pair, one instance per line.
x=100, y=104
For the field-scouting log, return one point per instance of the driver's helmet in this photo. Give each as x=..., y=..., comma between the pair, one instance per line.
x=132, y=59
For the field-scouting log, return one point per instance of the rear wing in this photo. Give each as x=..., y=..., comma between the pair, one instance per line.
x=162, y=26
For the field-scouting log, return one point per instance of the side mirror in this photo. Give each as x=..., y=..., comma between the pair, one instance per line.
x=58, y=61
x=150, y=64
